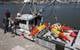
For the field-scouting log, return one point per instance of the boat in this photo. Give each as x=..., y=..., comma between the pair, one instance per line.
x=43, y=31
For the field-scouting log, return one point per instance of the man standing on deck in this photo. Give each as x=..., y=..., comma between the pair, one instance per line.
x=6, y=21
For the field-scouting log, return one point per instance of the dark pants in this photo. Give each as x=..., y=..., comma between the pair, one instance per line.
x=6, y=29
x=6, y=25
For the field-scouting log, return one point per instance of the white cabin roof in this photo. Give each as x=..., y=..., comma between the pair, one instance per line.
x=26, y=17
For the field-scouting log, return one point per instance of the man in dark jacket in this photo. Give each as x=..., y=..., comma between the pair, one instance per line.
x=6, y=21
x=5, y=25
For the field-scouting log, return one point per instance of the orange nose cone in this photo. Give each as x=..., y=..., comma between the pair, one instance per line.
x=61, y=35
x=34, y=32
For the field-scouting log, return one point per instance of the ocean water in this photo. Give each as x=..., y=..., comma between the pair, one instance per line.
x=68, y=14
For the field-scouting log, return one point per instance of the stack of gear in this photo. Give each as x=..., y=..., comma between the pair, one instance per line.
x=62, y=32
x=35, y=31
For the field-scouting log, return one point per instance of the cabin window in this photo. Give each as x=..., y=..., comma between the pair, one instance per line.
x=22, y=21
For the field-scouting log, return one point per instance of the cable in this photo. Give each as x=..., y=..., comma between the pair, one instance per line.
x=23, y=7
x=48, y=5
